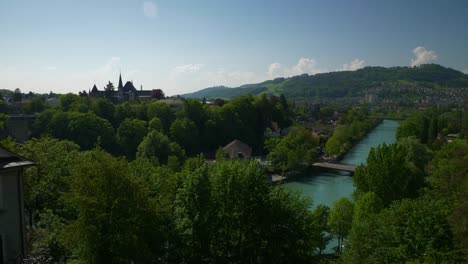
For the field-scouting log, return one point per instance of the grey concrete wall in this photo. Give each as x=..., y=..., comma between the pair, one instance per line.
x=11, y=220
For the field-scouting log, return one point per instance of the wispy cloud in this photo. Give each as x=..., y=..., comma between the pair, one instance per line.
x=108, y=71
x=465, y=71
x=304, y=65
x=111, y=68
x=187, y=76
x=50, y=68
x=187, y=68
x=150, y=9
x=422, y=56
x=274, y=70
x=222, y=76
x=353, y=65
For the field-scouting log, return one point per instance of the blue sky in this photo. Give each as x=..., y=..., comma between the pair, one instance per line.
x=184, y=46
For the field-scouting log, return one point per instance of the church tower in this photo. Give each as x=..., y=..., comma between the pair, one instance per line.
x=120, y=82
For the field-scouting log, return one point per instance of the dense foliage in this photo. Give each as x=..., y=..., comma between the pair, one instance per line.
x=297, y=148
x=84, y=212
x=191, y=125
x=411, y=200
x=124, y=184
x=351, y=127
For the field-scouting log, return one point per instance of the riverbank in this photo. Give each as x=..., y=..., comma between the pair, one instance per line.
x=350, y=144
x=326, y=187
x=276, y=177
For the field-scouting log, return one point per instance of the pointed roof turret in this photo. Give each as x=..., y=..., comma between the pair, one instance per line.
x=94, y=89
x=120, y=82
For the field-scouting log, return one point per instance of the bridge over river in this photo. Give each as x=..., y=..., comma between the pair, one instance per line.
x=335, y=166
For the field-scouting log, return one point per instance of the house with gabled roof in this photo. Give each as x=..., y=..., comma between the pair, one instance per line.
x=237, y=149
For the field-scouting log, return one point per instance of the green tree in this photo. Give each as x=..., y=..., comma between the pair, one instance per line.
x=340, y=220
x=228, y=212
x=322, y=232
x=449, y=180
x=194, y=110
x=87, y=130
x=297, y=148
x=418, y=155
x=36, y=105
x=194, y=216
x=69, y=101
x=157, y=147
x=332, y=147
x=362, y=234
x=104, y=108
x=185, y=132
x=17, y=95
x=433, y=129
x=162, y=111
x=129, y=135
x=410, y=231
x=45, y=182
x=155, y=124
x=388, y=174
x=117, y=220
x=3, y=121
x=109, y=90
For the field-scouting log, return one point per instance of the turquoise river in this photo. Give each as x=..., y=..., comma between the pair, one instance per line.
x=325, y=188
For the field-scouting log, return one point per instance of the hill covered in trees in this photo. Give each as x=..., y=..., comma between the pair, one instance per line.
x=346, y=83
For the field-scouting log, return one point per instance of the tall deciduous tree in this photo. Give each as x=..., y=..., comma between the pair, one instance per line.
x=45, y=182
x=185, y=132
x=157, y=147
x=340, y=220
x=130, y=134
x=388, y=174
x=117, y=220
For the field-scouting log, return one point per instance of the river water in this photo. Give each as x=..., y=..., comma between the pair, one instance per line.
x=325, y=188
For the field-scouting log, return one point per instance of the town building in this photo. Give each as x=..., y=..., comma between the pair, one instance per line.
x=238, y=149
x=126, y=92
x=12, y=229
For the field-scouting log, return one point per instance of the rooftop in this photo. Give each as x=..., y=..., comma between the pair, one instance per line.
x=9, y=160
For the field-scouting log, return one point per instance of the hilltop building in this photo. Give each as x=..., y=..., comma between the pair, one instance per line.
x=126, y=92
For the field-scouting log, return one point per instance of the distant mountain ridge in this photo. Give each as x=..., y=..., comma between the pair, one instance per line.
x=344, y=83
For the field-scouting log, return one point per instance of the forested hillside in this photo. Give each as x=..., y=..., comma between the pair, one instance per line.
x=346, y=83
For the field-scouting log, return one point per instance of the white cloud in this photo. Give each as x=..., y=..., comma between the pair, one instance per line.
x=274, y=70
x=353, y=65
x=150, y=9
x=304, y=65
x=465, y=71
x=422, y=56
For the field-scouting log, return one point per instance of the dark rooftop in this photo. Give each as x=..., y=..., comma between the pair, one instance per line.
x=9, y=160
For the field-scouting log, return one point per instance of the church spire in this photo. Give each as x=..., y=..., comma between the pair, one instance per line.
x=120, y=82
